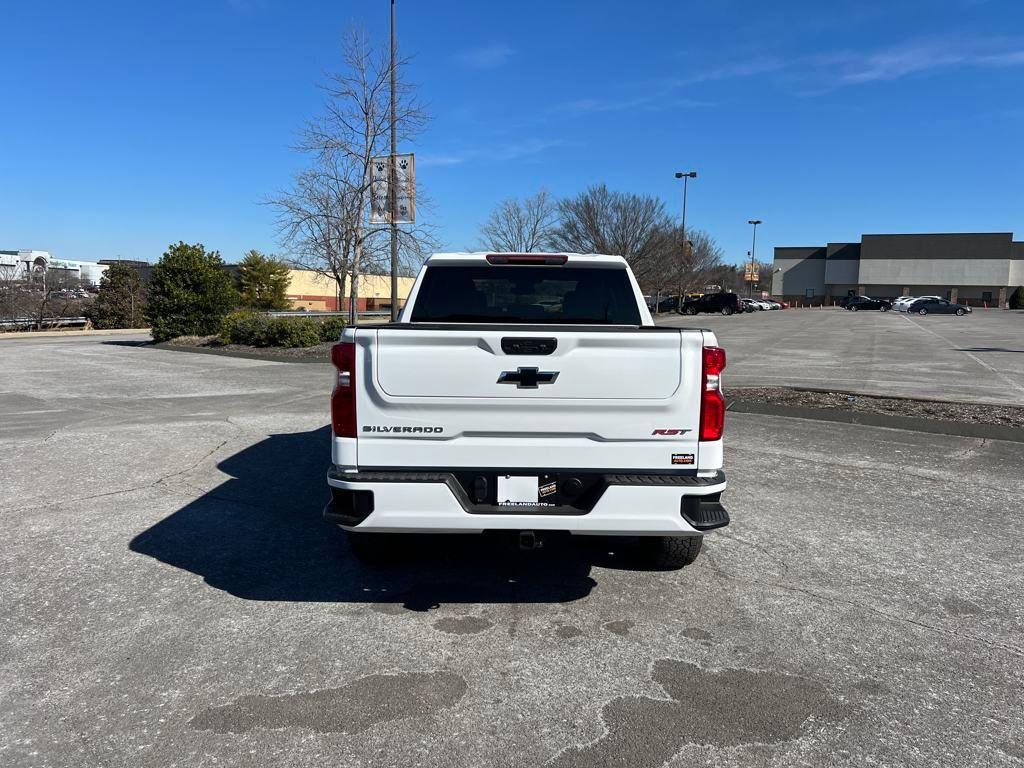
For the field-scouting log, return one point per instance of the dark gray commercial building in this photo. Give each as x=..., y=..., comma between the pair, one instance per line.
x=976, y=268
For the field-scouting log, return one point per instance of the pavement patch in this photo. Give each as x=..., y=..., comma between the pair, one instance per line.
x=566, y=632
x=349, y=709
x=463, y=625
x=696, y=634
x=620, y=627
x=724, y=708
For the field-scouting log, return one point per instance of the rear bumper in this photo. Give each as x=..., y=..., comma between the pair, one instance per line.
x=667, y=504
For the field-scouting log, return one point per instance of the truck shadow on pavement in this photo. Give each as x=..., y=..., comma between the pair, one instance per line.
x=260, y=536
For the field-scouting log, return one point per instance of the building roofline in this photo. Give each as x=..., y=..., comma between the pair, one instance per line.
x=931, y=234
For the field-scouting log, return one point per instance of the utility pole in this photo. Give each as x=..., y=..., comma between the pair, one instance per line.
x=753, y=255
x=686, y=243
x=393, y=181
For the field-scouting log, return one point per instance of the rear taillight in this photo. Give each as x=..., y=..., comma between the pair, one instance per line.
x=343, y=398
x=712, y=404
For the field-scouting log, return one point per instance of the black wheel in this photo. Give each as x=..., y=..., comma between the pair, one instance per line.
x=670, y=552
x=689, y=310
x=726, y=311
x=922, y=311
x=961, y=312
x=853, y=308
x=885, y=308
x=376, y=548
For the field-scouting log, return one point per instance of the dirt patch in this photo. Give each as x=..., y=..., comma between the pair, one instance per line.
x=321, y=353
x=968, y=413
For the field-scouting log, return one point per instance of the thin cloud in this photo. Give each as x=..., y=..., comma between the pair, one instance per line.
x=485, y=57
x=911, y=57
x=500, y=153
x=744, y=68
x=818, y=74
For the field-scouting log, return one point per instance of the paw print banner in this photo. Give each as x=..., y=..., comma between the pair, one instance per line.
x=405, y=187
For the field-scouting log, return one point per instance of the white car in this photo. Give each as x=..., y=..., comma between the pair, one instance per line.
x=483, y=410
x=902, y=303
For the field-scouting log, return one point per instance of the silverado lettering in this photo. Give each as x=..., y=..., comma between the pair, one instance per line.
x=405, y=430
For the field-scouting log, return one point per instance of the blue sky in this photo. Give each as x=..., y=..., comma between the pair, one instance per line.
x=130, y=125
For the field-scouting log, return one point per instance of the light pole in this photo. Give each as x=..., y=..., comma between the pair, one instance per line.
x=392, y=181
x=685, y=176
x=753, y=255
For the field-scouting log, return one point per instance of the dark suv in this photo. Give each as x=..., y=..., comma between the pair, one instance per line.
x=726, y=303
x=856, y=303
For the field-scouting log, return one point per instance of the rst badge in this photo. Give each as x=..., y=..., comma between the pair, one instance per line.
x=670, y=432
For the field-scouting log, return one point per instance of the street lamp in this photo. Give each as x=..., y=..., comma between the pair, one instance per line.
x=753, y=255
x=685, y=176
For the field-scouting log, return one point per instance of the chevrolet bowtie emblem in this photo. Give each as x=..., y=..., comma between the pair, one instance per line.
x=527, y=378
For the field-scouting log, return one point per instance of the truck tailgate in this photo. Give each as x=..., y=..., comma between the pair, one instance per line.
x=550, y=398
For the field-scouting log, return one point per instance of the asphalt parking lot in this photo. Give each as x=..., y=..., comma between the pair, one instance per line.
x=170, y=596
x=976, y=358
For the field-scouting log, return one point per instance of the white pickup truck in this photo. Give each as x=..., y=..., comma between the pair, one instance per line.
x=529, y=393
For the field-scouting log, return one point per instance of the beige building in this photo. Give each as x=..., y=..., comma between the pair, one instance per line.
x=312, y=291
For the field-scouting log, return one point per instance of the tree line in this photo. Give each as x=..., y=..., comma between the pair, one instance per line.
x=189, y=292
x=600, y=220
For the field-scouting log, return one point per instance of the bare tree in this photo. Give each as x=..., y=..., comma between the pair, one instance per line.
x=688, y=267
x=521, y=226
x=321, y=218
x=599, y=220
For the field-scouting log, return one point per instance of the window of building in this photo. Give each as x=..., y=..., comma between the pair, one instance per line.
x=809, y=293
x=986, y=296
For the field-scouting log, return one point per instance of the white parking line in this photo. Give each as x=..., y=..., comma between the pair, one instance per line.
x=978, y=360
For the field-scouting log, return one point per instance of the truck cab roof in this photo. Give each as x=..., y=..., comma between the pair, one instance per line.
x=571, y=259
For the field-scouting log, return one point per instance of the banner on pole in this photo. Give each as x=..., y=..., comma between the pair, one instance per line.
x=405, y=189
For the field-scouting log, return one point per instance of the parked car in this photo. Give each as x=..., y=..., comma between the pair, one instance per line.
x=847, y=299
x=772, y=304
x=930, y=305
x=857, y=303
x=899, y=304
x=668, y=304
x=902, y=304
x=413, y=451
x=725, y=303
x=749, y=305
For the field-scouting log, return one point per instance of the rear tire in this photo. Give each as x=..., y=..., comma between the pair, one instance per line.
x=726, y=311
x=689, y=310
x=961, y=312
x=885, y=308
x=853, y=308
x=670, y=552
x=922, y=311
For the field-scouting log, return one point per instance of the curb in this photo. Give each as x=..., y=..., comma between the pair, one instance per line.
x=70, y=334
x=910, y=423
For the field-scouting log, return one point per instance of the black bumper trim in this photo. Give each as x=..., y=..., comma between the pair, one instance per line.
x=345, y=507
x=704, y=513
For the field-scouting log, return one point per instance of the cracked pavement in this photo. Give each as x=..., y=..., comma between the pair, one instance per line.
x=170, y=596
